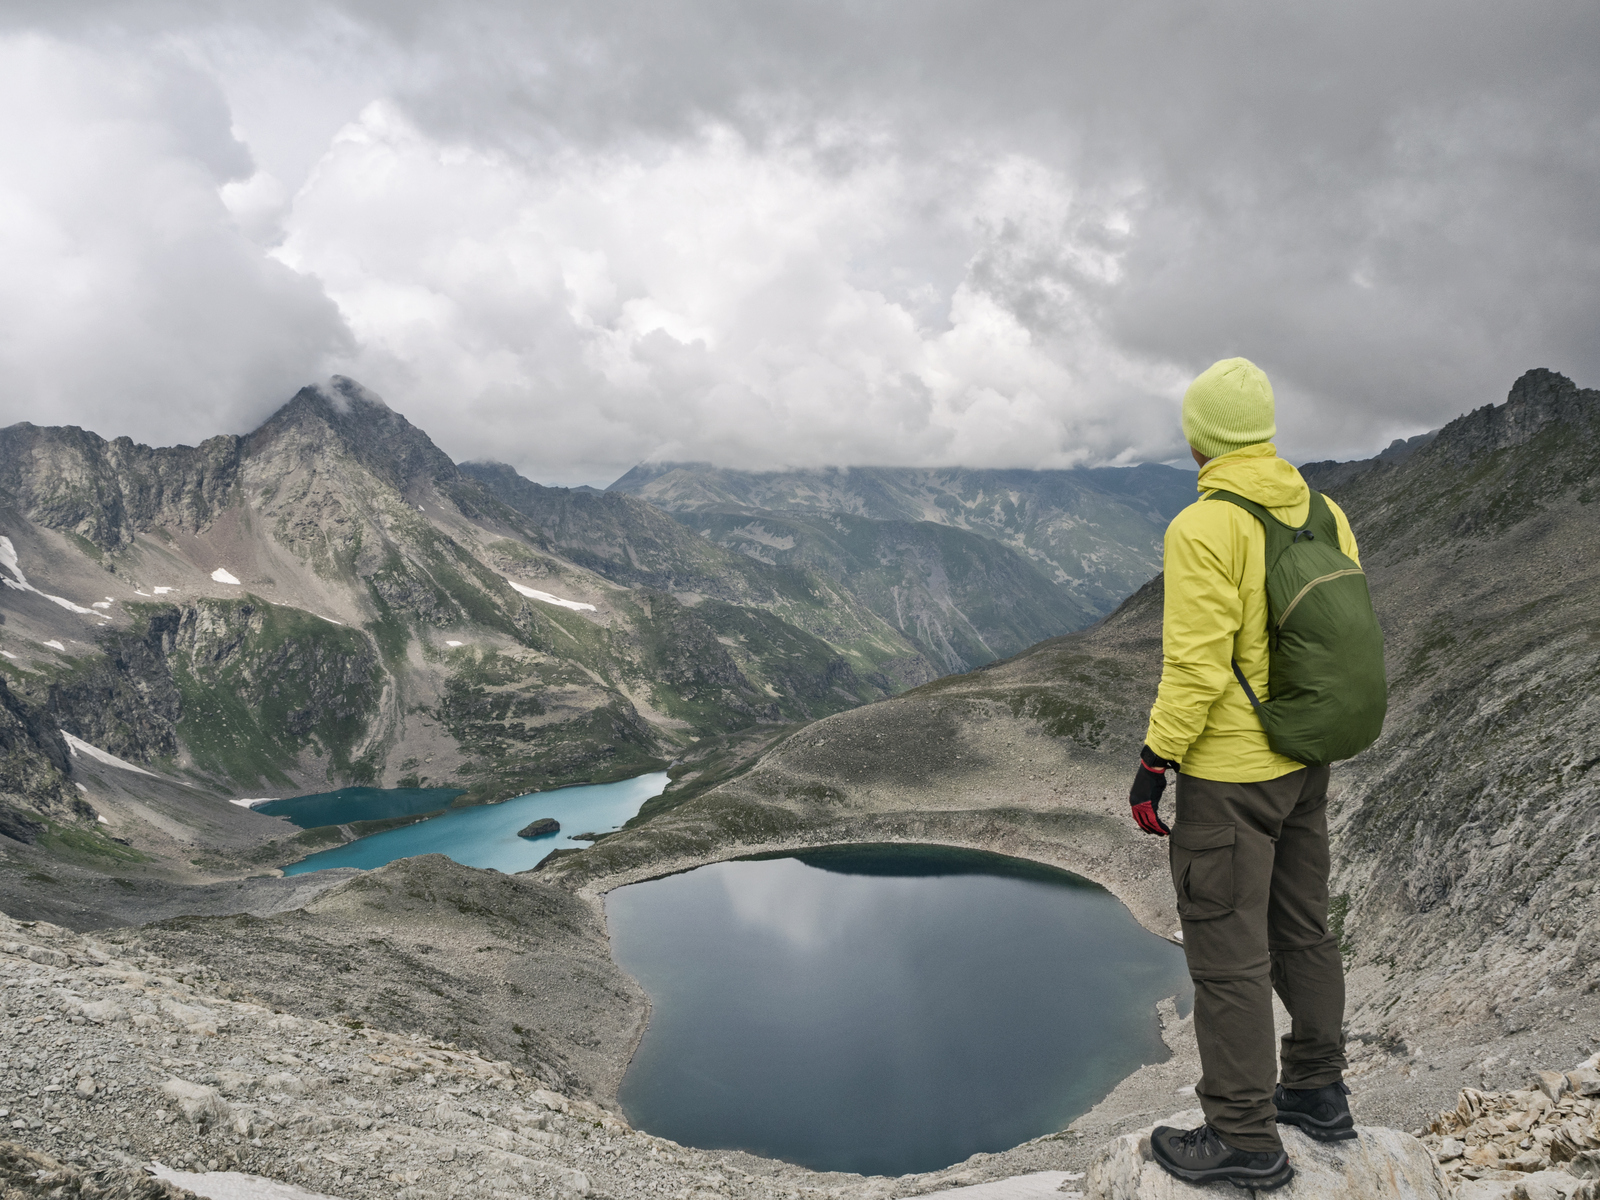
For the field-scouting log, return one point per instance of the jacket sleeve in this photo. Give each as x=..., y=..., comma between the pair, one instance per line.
x=1201, y=613
x=1347, y=539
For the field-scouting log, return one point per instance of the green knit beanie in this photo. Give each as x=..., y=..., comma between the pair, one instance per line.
x=1228, y=407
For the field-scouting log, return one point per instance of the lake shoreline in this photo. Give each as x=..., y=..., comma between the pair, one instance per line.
x=475, y=835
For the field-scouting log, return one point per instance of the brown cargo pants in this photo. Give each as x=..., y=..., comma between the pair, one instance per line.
x=1250, y=865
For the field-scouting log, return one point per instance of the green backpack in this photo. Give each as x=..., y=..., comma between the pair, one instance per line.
x=1325, y=673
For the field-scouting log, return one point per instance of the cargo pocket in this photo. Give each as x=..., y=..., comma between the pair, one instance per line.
x=1202, y=870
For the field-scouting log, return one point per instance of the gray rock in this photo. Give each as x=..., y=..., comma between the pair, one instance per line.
x=1552, y=1185
x=1584, y=1080
x=1552, y=1084
x=573, y=1180
x=543, y=827
x=1381, y=1164
x=200, y=1105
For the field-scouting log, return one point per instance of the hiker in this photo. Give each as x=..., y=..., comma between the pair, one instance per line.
x=1250, y=729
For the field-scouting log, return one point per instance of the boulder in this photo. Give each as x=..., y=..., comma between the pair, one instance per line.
x=543, y=827
x=200, y=1105
x=1380, y=1164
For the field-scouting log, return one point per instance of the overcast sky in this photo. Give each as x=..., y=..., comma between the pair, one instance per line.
x=575, y=236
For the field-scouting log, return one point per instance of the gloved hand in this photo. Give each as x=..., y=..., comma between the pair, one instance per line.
x=1145, y=795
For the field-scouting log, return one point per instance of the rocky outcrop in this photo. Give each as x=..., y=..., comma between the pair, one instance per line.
x=106, y=492
x=124, y=702
x=1380, y=1164
x=245, y=687
x=1538, y=1142
x=28, y=1173
x=34, y=770
x=543, y=827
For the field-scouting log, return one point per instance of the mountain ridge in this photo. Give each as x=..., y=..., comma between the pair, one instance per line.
x=1094, y=531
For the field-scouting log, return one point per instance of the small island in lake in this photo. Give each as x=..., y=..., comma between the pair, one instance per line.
x=540, y=828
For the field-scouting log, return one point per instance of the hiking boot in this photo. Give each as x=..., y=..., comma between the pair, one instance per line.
x=1322, y=1112
x=1200, y=1156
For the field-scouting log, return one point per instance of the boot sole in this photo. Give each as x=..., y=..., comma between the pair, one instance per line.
x=1260, y=1183
x=1321, y=1133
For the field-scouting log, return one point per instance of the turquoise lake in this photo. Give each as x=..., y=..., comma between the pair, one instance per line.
x=883, y=1009
x=359, y=804
x=486, y=835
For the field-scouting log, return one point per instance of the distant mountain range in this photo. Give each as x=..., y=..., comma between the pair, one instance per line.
x=331, y=600
x=1095, y=533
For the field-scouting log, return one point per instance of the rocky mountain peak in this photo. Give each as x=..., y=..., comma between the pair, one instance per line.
x=1538, y=400
x=362, y=425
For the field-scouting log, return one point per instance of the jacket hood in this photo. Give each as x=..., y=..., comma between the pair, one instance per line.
x=1256, y=473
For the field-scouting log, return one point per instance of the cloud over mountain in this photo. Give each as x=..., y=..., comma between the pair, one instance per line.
x=577, y=236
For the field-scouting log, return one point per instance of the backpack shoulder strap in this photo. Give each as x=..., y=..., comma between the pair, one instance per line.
x=1321, y=520
x=1279, y=536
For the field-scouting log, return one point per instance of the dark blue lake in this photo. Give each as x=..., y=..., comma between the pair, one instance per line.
x=883, y=1009
x=358, y=804
x=486, y=835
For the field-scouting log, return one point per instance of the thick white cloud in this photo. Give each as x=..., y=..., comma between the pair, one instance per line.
x=129, y=301
x=704, y=298
x=573, y=236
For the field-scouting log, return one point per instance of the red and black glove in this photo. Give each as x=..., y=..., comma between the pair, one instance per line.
x=1145, y=795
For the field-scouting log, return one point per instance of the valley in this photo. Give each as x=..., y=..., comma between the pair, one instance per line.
x=796, y=715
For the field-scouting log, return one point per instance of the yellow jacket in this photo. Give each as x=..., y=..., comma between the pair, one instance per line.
x=1216, y=614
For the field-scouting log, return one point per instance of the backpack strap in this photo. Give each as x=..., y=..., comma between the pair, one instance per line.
x=1319, y=523
x=1249, y=691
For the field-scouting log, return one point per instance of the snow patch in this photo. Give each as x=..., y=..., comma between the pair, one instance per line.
x=98, y=817
x=455, y=643
x=8, y=559
x=8, y=654
x=100, y=604
x=81, y=788
x=252, y=803
x=55, y=645
x=221, y=575
x=78, y=746
x=233, y=1185
x=535, y=594
x=162, y=591
x=137, y=592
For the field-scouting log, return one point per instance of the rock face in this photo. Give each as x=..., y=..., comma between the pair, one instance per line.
x=33, y=770
x=543, y=827
x=1381, y=1164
